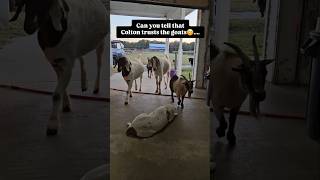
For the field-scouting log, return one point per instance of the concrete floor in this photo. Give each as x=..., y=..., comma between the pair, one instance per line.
x=266, y=149
x=181, y=151
x=27, y=153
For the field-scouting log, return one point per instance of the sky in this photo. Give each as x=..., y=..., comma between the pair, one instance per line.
x=117, y=20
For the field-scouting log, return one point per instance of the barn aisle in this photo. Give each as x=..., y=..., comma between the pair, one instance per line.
x=181, y=151
x=267, y=148
x=27, y=153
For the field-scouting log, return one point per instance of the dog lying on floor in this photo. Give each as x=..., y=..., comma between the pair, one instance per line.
x=146, y=125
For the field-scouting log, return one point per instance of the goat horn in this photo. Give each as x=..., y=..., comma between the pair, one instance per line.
x=255, y=49
x=245, y=59
x=184, y=77
x=18, y=11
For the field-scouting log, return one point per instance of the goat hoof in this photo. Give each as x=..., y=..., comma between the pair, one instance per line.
x=52, y=132
x=130, y=95
x=66, y=109
x=125, y=103
x=96, y=91
x=84, y=89
x=231, y=138
x=220, y=132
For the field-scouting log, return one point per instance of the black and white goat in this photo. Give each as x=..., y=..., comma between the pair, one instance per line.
x=181, y=86
x=67, y=30
x=131, y=71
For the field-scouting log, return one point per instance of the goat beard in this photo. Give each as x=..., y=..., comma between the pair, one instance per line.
x=254, y=106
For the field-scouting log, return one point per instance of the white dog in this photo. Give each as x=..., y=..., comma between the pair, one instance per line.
x=146, y=125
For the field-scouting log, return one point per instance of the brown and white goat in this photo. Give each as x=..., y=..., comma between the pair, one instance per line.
x=235, y=76
x=161, y=69
x=181, y=86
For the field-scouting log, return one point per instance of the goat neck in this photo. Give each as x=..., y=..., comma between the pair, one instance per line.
x=245, y=59
x=255, y=49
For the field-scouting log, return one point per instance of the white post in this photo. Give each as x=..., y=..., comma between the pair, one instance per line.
x=196, y=50
x=180, y=50
x=166, y=52
x=4, y=13
x=221, y=22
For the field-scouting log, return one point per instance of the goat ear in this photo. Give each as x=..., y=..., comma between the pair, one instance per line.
x=267, y=61
x=127, y=66
x=57, y=11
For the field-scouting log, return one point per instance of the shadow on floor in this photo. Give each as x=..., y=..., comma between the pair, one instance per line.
x=266, y=149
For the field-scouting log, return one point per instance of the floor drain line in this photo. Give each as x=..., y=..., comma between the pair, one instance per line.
x=18, y=88
x=114, y=89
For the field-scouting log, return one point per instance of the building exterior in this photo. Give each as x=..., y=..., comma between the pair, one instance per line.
x=157, y=47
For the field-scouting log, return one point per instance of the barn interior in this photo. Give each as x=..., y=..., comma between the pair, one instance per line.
x=181, y=150
x=282, y=144
x=27, y=82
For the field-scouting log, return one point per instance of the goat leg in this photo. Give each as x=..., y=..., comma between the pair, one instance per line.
x=64, y=71
x=182, y=105
x=84, y=84
x=66, y=105
x=220, y=131
x=157, y=85
x=99, y=51
x=140, y=82
x=135, y=85
x=172, y=99
x=232, y=121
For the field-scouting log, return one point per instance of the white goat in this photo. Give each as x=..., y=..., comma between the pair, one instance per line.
x=131, y=70
x=146, y=125
x=160, y=67
x=181, y=86
x=233, y=77
x=67, y=30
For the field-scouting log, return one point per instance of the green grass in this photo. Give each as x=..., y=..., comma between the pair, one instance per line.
x=241, y=32
x=186, y=72
x=12, y=30
x=243, y=5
